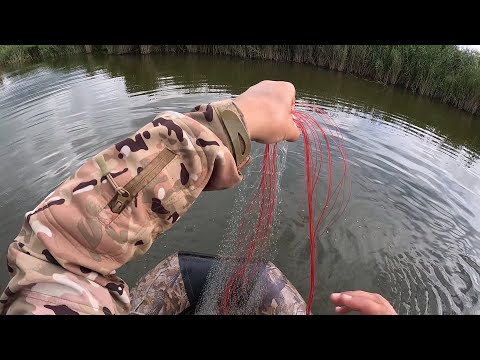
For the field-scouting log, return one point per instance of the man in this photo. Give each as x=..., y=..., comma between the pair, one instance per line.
x=65, y=257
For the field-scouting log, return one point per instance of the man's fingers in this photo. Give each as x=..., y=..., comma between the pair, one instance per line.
x=292, y=132
x=359, y=303
x=362, y=304
x=335, y=298
x=342, y=309
x=289, y=89
x=362, y=301
x=374, y=297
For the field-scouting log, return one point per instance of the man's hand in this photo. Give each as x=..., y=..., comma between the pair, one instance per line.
x=364, y=302
x=267, y=108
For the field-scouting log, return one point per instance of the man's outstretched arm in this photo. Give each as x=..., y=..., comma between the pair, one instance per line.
x=110, y=210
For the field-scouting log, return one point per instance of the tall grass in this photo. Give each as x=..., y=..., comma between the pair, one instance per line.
x=12, y=54
x=443, y=72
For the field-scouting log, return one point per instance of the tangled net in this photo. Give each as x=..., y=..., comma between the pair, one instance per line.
x=234, y=285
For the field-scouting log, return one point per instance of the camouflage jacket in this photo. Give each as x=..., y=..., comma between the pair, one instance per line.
x=110, y=210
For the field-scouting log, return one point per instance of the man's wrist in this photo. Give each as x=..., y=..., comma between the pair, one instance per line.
x=244, y=109
x=236, y=127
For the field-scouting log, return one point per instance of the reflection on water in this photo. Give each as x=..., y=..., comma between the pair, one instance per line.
x=411, y=231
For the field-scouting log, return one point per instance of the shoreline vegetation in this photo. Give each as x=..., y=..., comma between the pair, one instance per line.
x=443, y=72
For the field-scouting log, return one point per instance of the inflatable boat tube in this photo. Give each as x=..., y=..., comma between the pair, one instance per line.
x=175, y=285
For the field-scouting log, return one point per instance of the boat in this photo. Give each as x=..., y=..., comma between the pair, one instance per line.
x=175, y=287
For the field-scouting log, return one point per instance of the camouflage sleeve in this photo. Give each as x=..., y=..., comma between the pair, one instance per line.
x=110, y=210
